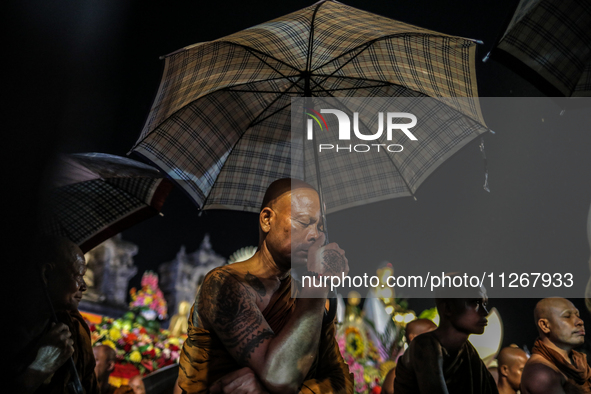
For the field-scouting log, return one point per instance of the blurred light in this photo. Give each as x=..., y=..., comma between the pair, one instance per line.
x=353, y=298
x=409, y=316
x=389, y=309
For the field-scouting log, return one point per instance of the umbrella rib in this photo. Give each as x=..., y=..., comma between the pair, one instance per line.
x=367, y=45
x=395, y=166
x=255, y=51
x=392, y=161
x=256, y=120
x=359, y=87
x=382, y=38
x=237, y=141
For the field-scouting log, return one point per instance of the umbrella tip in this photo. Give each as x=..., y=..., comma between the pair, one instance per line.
x=485, y=59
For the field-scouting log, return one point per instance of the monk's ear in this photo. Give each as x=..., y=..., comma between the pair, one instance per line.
x=504, y=370
x=265, y=218
x=46, y=268
x=544, y=325
x=447, y=306
x=111, y=367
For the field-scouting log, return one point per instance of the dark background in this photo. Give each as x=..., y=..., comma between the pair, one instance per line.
x=82, y=75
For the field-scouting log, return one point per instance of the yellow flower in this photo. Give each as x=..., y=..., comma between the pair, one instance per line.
x=109, y=343
x=135, y=356
x=173, y=341
x=114, y=334
x=147, y=300
x=158, y=351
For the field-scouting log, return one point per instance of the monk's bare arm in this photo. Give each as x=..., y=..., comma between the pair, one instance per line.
x=280, y=360
x=332, y=373
x=541, y=379
x=427, y=362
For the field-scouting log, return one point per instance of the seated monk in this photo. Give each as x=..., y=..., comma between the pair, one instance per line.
x=105, y=357
x=554, y=366
x=444, y=361
x=39, y=353
x=414, y=328
x=137, y=384
x=511, y=360
x=246, y=331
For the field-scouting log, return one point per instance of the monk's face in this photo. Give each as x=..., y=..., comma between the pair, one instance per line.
x=469, y=314
x=66, y=280
x=566, y=329
x=297, y=225
x=103, y=367
x=515, y=369
x=137, y=385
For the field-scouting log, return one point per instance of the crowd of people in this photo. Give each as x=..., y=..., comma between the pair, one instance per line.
x=253, y=329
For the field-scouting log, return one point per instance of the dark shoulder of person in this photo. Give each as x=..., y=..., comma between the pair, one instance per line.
x=539, y=378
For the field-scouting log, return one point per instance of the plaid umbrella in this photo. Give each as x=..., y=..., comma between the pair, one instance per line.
x=94, y=196
x=549, y=43
x=220, y=125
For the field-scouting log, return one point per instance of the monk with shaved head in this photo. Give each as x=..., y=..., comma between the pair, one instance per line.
x=555, y=367
x=40, y=349
x=247, y=334
x=414, y=328
x=511, y=361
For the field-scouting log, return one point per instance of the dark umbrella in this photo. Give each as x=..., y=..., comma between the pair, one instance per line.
x=548, y=42
x=94, y=196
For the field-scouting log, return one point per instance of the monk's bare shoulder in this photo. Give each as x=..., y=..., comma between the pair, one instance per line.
x=226, y=304
x=539, y=378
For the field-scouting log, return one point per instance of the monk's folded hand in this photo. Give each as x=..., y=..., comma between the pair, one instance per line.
x=327, y=260
x=54, y=350
x=242, y=381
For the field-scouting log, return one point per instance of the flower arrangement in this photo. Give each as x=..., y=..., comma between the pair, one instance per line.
x=361, y=355
x=149, y=300
x=145, y=349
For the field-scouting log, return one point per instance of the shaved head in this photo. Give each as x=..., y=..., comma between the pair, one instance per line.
x=104, y=358
x=559, y=322
x=511, y=361
x=417, y=327
x=280, y=187
x=510, y=355
x=549, y=308
x=57, y=251
x=108, y=351
x=289, y=221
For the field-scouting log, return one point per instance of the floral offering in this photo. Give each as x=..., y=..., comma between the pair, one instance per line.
x=149, y=300
x=146, y=349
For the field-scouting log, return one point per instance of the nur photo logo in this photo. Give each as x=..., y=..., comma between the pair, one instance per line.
x=388, y=123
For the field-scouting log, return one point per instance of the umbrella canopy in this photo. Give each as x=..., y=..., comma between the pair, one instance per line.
x=220, y=125
x=549, y=43
x=94, y=196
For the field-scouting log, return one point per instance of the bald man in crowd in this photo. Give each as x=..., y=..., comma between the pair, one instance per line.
x=246, y=331
x=40, y=349
x=105, y=357
x=555, y=367
x=414, y=328
x=137, y=384
x=511, y=360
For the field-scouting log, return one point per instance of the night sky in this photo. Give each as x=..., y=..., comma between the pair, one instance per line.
x=83, y=76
